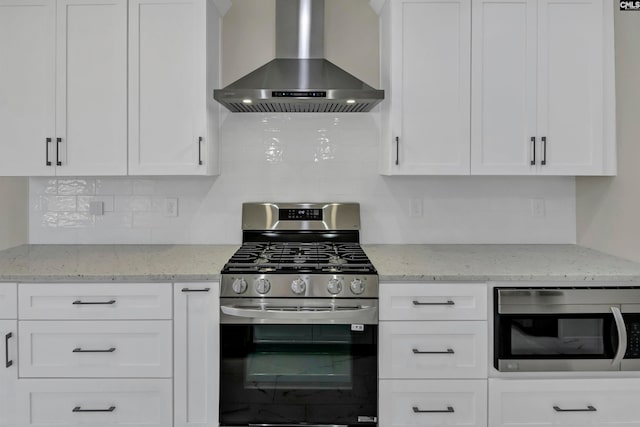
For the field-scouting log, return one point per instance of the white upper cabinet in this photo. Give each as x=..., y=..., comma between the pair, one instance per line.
x=63, y=87
x=27, y=85
x=543, y=87
x=172, y=73
x=425, y=56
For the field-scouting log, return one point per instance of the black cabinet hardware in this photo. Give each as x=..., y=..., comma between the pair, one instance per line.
x=196, y=290
x=79, y=409
x=79, y=350
x=448, y=302
x=587, y=409
x=6, y=349
x=544, y=151
x=200, y=150
x=58, y=141
x=417, y=410
x=46, y=144
x=79, y=302
x=448, y=351
x=533, y=150
x=397, y=150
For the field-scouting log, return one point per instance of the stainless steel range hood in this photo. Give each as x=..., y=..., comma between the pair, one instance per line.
x=299, y=79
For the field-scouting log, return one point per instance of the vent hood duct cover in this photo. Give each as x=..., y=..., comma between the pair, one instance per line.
x=299, y=79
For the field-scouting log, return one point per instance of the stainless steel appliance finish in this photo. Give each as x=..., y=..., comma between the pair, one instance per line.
x=299, y=79
x=299, y=320
x=335, y=216
x=567, y=329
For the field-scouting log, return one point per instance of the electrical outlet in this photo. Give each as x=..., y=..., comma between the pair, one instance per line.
x=537, y=207
x=171, y=206
x=96, y=208
x=415, y=207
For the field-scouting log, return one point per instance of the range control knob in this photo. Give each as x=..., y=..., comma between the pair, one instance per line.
x=357, y=286
x=334, y=286
x=299, y=286
x=263, y=286
x=239, y=286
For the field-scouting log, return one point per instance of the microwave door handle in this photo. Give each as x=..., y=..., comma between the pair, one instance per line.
x=622, y=335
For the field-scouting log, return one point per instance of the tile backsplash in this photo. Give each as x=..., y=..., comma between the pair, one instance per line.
x=301, y=157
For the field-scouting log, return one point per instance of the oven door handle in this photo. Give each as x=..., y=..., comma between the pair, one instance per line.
x=266, y=313
x=622, y=335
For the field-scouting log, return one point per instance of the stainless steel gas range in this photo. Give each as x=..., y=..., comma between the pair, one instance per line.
x=299, y=320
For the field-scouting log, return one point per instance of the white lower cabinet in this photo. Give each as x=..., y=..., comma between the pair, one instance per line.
x=196, y=354
x=564, y=402
x=96, y=349
x=433, y=349
x=8, y=372
x=433, y=403
x=94, y=403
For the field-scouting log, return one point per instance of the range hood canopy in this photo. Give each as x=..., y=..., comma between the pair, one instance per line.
x=299, y=79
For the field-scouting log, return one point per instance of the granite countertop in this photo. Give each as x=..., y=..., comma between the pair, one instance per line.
x=154, y=263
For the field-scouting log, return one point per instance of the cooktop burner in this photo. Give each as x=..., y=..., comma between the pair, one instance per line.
x=300, y=250
x=288, y=257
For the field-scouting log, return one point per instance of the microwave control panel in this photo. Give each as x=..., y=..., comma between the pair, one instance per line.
x=633, y=336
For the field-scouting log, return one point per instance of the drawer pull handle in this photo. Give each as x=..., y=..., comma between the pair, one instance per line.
x=79, y=409
x=449, y=351
x=448, y=302
x=587, y=409
x=196, y=290
x=79, y=302
x=417, y=410
x=79, y=350
x=6, y=349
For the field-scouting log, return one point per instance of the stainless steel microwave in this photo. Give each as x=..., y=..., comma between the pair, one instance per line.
x=567, y=329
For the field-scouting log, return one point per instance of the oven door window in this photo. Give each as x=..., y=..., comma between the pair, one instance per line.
x=553, y=336
x=291, y=374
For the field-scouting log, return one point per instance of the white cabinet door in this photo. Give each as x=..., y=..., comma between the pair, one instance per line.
x=543, y=88
x=8, y=301
x=564, y=402
x=94, y=403
x=411, y=350
x=196, y=379
x=27, y=86
x=570, y=86
x=167, y=84
x=427, y=403
x=91, y=87
x=8, y=372
x=429, y=87
x=98, y=349
x=504, y=61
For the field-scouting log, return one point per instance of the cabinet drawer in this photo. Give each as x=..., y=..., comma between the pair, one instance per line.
x=566, y=402
x=57, y=403
x=433, y=349
x=95, y=349
x=438, y=301
x=94, y=301
x=433, y=403
x=8, y=301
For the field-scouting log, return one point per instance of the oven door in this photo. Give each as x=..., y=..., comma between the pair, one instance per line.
x=287, y=362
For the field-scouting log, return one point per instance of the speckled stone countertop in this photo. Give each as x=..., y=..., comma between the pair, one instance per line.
x=427, y=263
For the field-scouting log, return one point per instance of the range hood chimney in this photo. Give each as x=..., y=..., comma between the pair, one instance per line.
x=299, y=79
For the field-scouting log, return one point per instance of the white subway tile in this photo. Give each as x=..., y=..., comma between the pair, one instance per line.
x=132, y=203
x=76, y=186
x=114, y=185
x=58, y=203
x=83, y=202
